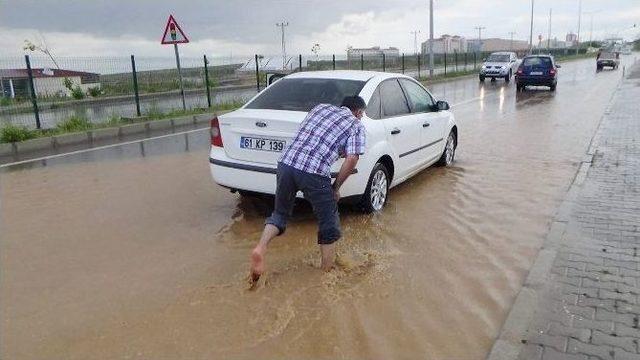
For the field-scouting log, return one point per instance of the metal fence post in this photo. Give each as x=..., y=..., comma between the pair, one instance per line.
x=403, y=63
x=474, y=60
x=445, y=63
x=136, y=94
x=465, y=61
x=334, y=61
x=32, y=91
x=361, y=62
x=455, y=56
x=206, y=79
x=257, y=74
x=418, y=58
x=384, y=62
x=300, y=62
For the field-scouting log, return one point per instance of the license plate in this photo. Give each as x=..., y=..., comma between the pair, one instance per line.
x=261, y=144
x=536, y=73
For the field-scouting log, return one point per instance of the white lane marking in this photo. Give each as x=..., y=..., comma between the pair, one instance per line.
x=101, y=147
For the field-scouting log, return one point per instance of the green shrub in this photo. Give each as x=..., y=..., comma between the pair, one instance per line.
x=5, y=101
x=14, y=133
x=74, y=123
x=77, y=93
x=94, y=91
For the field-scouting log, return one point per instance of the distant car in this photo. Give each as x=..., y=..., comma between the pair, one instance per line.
x=407, y=130
x=607, y=58
x=537, y=70
x=499, y=65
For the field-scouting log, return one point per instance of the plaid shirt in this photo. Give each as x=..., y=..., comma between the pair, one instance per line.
x=326, y=133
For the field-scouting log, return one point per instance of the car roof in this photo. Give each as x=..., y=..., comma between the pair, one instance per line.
x=345, y=75
x=502, y=53
x=538, y=55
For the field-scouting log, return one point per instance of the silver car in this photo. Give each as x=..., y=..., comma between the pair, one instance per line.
x=499, y=65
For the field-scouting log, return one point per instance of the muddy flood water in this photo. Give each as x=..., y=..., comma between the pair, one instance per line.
x=122, y=256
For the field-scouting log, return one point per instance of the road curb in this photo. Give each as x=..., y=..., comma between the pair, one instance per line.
x=513, y=334
x=88, y=138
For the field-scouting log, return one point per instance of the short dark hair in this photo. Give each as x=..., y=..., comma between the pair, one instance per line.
x=354, y=103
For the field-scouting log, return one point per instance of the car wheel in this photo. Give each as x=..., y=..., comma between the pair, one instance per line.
x=449, y=152
x=375, y=195
x=552, y=87
x=481, y=78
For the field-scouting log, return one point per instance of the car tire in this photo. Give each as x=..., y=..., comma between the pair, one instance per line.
x=481, y=78
x=552, y=87
x=449, y=152
x=377, y=191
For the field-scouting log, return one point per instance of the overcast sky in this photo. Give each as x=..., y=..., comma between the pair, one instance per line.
x=225, y=27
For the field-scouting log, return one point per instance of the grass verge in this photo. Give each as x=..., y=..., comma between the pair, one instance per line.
x=16, y=133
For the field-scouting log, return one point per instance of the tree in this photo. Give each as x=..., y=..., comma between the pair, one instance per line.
x=43, y=48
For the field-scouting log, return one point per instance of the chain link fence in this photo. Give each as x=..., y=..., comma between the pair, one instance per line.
x=38, y=92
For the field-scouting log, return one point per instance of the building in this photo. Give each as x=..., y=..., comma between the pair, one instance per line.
x=496, y=44
x=571, y=39
x=47, y=82
x=373, y=53
x=446, y=44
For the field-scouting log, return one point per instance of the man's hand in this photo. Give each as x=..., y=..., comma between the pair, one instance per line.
x=345, y=170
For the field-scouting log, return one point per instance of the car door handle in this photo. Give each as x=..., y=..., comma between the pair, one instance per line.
x=395, y=131
x=425, y=124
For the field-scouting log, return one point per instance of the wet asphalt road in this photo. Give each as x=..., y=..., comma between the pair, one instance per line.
x=132, y=252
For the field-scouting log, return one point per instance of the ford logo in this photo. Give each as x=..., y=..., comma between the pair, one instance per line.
x=261, y=124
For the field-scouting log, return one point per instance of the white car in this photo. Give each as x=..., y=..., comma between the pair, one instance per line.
x=499, y=65
x=407, y=130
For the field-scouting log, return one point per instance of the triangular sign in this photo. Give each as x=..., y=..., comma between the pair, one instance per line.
x=173, y=34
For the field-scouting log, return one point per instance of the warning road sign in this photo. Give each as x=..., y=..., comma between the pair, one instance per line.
x=173, y=34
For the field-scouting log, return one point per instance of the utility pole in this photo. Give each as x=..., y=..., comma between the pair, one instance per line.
x=430, y=38
x=549, y=33
x=579, y=20
x=282, y=25
x=415, y=41
x=479, y=28
x=531, y=31
x=511, y=33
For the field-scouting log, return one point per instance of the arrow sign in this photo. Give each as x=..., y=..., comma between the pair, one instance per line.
x=173, y=34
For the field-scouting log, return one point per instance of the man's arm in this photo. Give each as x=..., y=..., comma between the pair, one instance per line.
x=346, y=169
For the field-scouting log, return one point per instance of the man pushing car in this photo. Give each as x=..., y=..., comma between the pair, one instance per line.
x=327, y=133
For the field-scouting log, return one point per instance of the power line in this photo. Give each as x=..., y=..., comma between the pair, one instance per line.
x=479, y=28
x=282, y=25
x=415, y=41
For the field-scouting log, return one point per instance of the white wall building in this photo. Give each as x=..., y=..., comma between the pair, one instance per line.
x=446, y=44
x=47, y=82
x=373, y=53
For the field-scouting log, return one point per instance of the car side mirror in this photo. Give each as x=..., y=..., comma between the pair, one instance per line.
x=442, y=105
x=558, y=66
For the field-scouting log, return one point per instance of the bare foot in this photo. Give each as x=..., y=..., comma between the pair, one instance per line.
x=257, y=263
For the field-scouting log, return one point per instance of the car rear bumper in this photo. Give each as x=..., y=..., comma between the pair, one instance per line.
x=536, y=80
x=606, y=63
x=261, y=178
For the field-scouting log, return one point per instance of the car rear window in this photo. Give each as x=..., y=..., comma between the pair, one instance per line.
x=537, y=61
x=499, y=58
x=304, y=94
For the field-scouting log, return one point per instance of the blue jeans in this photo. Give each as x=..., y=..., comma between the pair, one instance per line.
x=317, y=190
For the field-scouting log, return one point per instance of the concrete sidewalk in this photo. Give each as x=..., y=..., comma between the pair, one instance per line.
x=581, y=298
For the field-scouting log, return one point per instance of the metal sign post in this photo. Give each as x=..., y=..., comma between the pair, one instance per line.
x=173, y=34
x=175, y=47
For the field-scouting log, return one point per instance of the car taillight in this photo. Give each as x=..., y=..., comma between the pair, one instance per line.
x=519, y=71
x=552, y=72
x=216, y=136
